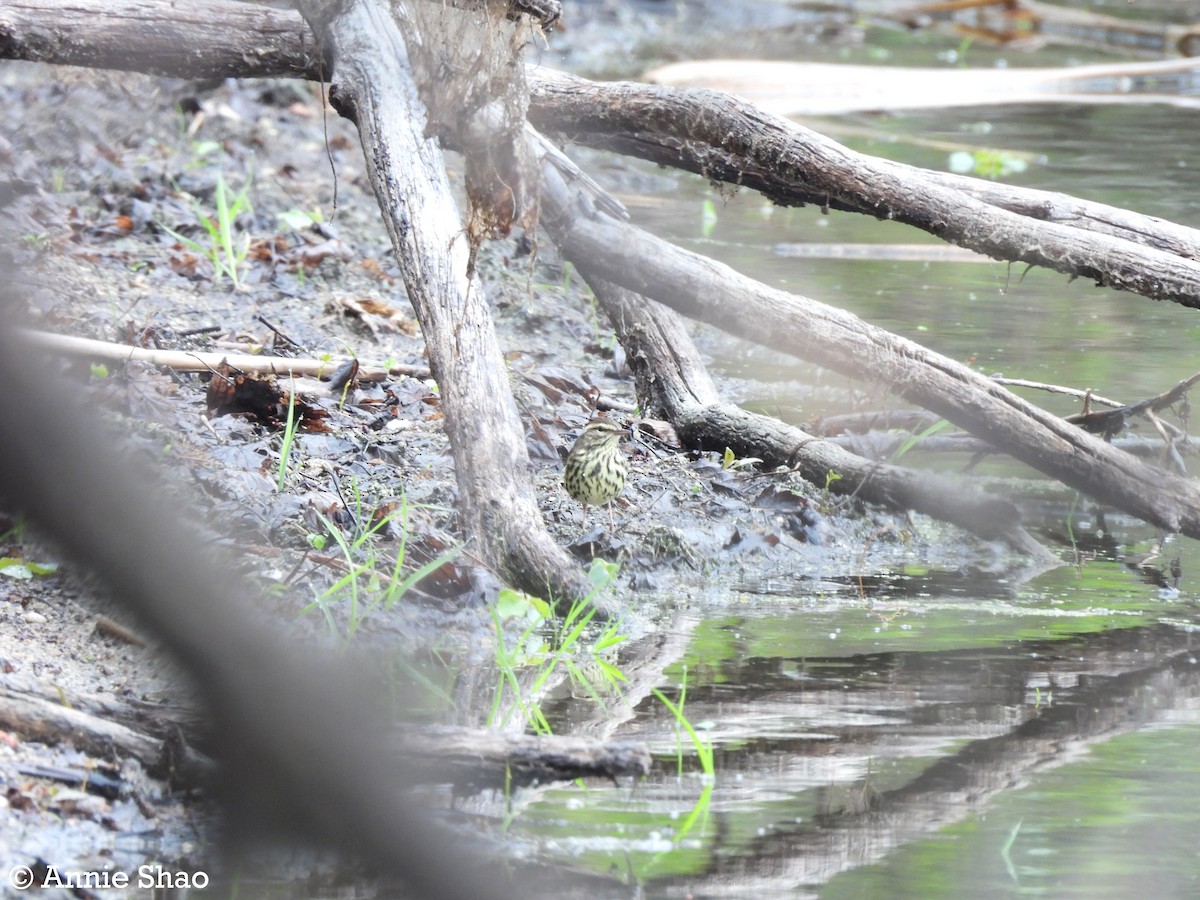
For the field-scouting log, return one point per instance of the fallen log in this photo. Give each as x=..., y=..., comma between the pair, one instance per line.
x=467, y=757
x=722, y=136
x=55, y=31
x=49, y=722
x=684, y=394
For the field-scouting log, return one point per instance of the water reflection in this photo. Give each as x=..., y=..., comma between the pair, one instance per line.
x=829, y=762
x=923, y=734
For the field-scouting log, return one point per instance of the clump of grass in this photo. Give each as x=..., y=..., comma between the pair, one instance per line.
x=568, y=650
x=224, y=245
x=371, y=584
x=915, y=439
x=564, y=650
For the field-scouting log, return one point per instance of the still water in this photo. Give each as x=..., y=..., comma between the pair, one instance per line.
x=924, y=734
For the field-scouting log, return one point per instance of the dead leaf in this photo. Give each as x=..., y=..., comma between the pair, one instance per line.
x=378, y=315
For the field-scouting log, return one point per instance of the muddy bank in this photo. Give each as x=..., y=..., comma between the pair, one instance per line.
x=118, y=176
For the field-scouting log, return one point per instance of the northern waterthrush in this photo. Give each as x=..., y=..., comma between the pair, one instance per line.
x=595, y=472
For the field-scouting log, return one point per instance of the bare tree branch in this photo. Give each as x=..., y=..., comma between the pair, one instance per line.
x=797, y=157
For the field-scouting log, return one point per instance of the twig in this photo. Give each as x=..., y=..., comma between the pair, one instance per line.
x=1057, y=389
x=195, y=361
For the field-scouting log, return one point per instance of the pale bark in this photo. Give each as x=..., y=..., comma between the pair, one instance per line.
x=706, y=127
x=372, y=85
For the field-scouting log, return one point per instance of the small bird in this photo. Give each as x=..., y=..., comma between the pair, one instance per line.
x=596, y=471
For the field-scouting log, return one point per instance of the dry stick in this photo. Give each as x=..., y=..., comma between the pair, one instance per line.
x=1087, y=396
x=373, y=86
x=197, y=361
x=713, y=292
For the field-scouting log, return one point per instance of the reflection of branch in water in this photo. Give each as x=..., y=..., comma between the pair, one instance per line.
x=1110, y=702
x=826, y=89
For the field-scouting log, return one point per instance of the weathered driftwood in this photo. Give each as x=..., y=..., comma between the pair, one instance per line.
x=51, y=722
x=175, y=39
x=161, y=740
x=715, y=293
x=181, y=38
x=373, y=86
x=793, y=155
x=55, y=31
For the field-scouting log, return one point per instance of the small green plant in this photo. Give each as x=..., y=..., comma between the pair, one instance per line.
x=16, y=534
x=368, y=586
x=991, y=164
x=730, y=461
x=1071, y=531
x=960, y=55
x=289, y=438
x=831, y=478
x=37, y=242
x=296, y=219
x=1006, y=852
x=24, y=569
x=200, y=152
x=533, y=653
x=525, y=651
x=703, y=748
x=708, y=218
x=226, y=247
x=914, y=439
x=530, y=654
